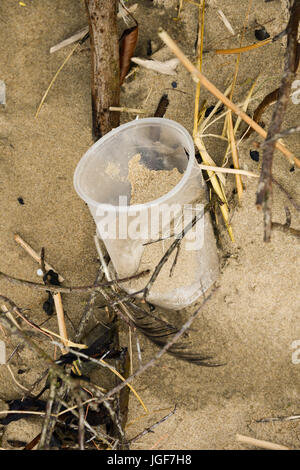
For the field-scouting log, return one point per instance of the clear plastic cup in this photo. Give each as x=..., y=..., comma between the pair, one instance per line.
x=100, y=179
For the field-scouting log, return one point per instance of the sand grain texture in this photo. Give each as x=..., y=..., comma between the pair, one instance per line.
x=253, y=318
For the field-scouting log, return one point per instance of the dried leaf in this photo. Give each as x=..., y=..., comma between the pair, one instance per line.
x=127, y=47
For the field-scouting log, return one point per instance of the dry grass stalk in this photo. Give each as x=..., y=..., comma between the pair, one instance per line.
x=235, y=157
x=218, y=94
x=199, y=62
x=123, y=109
x=54, y=78
x=239, y=50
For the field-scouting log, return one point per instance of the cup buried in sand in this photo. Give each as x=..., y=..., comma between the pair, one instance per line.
x=143, y=187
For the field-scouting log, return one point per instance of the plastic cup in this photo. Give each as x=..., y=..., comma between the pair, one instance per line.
x=100, y=179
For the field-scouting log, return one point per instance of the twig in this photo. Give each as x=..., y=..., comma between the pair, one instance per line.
x=286, y=228
x=150, y=429
x=88, y=308
x=269, y=99
x=172, y=247
x=258, y=443
x=35, y=255
x=210, y=87
x=162, y=351
x=69, y=290
x=279, y=418
x=102, y=363
x=175, y=260
x=80, y=424
x=264, y=191
x=282, y=134
x=15, y=380
x=46, y=434
x=290, y=198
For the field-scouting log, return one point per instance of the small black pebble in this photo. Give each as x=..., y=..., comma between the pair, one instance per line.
x=261, y=34
x=21, y=201
x=231, y=166
x=174, y=84
x=292, y=169
x=21, y=371
x=254, y=154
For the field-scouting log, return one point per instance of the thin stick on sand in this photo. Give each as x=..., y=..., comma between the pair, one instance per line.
x=56, y=297
x=61, y=319
x=35, y=255
x=198, y=76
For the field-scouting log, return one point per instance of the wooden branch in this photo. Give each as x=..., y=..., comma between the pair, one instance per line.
x=264, y=191
x=102, y=18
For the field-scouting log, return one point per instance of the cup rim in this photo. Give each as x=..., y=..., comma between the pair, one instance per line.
x=135, y=207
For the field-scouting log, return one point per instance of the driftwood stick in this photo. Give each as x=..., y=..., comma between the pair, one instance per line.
x=102, y=18
x=258, y=443
x=264, y=190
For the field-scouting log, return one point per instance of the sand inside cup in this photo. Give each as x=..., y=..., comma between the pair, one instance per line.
x=147, y=185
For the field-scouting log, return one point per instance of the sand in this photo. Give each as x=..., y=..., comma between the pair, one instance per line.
x=148, y=185
x=253, y=318
x=179, y=270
